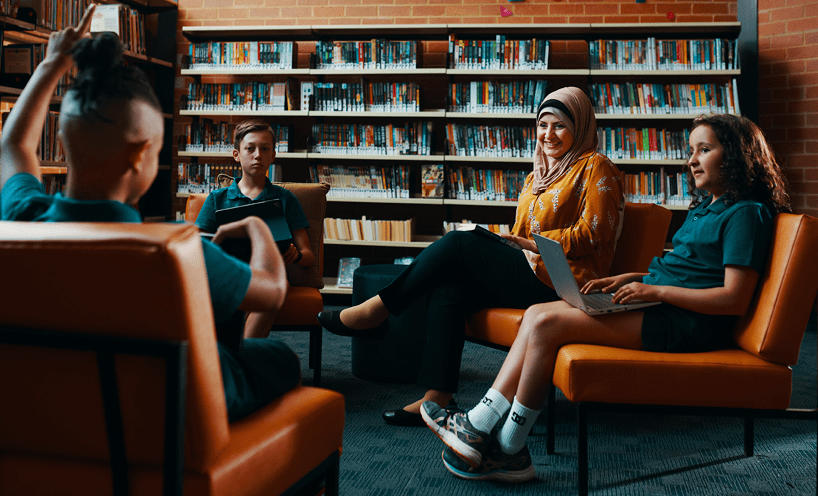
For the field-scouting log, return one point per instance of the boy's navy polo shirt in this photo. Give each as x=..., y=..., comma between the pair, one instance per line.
x=24, y=199
x=232, y=196
x=713, y=236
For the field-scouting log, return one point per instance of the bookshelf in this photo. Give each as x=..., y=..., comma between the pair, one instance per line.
x=154, y=51
x=436, y=74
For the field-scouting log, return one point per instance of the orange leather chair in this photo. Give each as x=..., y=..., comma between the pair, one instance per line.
x=304, y=301
x=644, y=231
x=112, y=421
x=752, y=381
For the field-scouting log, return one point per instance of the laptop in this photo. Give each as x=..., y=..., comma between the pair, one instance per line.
x=271, y=211
x=560, y=272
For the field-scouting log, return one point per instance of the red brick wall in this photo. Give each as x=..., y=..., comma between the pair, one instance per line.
x=788, y=92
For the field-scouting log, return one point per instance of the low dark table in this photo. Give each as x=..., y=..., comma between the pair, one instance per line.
x=396, y=357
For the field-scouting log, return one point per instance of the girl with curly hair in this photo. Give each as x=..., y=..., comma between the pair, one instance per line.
x=704, y=285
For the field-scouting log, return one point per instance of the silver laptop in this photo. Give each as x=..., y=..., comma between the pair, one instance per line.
x=560, y=272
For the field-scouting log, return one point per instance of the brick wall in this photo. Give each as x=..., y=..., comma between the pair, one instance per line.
x=788, y=44
x=788, y=92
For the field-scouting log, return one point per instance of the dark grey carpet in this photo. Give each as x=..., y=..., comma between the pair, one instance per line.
x=629, y=454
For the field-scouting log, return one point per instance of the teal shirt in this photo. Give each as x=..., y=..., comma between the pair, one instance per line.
x=232, y=196
x=712, y=237
x=23, y=198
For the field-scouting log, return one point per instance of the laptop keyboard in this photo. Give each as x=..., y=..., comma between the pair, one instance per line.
x=599, y=301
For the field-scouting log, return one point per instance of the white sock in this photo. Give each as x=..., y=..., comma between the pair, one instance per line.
x=516, y=428
x=489, y=411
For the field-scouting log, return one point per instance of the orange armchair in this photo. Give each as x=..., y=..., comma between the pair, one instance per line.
x=752, y=381
x=304, y=301
x=644, y=231
x=113, y=421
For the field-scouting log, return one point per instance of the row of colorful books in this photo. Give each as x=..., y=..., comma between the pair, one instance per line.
x=204, y=178
x=373, y=54
x=251, y=95
x=468, y=183
x=498, y=54
x=380, y=96
x=657, y=187
x=209, y=136
x=364, y=229
x=652, y=54
x=644, y=143
x=411, y=138
x=470, y=140
x=680, y=98
x=361, y=181
x=242, y=55
x=53, y=14
x=497, y=97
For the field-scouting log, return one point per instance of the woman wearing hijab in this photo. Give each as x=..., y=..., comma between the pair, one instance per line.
x=574, y=196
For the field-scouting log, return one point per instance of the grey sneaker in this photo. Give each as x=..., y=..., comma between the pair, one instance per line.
x=495, y=465
x=454, y=429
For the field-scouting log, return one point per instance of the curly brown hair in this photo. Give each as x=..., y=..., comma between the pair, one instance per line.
x=749, y=170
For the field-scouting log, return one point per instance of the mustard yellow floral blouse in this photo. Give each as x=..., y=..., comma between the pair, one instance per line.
x=582, y=210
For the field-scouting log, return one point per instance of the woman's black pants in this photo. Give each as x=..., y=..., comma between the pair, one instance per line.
x=463, y=272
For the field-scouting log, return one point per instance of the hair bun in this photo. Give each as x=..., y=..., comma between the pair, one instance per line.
x=100, y=52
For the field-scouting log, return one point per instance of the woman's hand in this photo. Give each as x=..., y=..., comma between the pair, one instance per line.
x=610, y=284
x=637, y=291
x=524, y=243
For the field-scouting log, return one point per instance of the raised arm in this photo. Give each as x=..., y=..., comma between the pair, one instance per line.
x=21, y=133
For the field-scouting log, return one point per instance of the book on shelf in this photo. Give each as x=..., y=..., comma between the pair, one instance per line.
x=642, y=143
x=409, y=138
x=472, y=140
x=204, y=178
x=468, y=183
x=512, y=97
x=372, y=54
x=432, y=180
x=364, y=229
x=498, y=54
x=53, y=184
x=50, y=148
x=346, y=269
x=241, y=55
x=651, y=54
x=654, y=98
x=403, y=260
x=54, y=14
x=362, y=181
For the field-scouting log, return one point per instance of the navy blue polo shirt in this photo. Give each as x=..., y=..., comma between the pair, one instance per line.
x=23, y=198
x=232, y=196
x=714, y=235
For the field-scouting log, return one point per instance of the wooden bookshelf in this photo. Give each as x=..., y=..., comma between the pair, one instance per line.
x=437, y=76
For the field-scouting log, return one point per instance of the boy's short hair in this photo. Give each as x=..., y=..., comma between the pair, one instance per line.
x=251, y=126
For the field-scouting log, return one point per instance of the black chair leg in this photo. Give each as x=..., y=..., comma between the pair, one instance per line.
x=551, y=421
x=582, y=450
x=749, y=430
x=316, y=339
x=332, y=477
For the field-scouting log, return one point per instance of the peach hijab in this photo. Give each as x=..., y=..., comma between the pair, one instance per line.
x=574, y=108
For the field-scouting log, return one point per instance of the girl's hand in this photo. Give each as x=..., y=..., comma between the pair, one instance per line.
x=61, y=42
x=525, y=243
x=637, y=291
x=610, y=284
